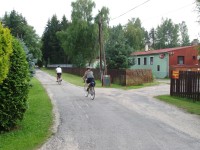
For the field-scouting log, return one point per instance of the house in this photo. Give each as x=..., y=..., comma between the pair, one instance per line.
x=162, y=61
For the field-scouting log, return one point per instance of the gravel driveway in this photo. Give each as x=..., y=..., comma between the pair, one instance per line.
x=117, y=119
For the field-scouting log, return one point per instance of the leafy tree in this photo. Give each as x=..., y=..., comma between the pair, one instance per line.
x=117, y=49
x=20, y=29
x=167, y=35
x=185, y=41
x=80, y=39
x=14, y=89
x=135, y=34
x=5, y=52
x=198, y=6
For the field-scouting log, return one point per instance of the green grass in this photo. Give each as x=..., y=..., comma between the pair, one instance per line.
x=77, y=80
x=183, y=103
x=35, y=127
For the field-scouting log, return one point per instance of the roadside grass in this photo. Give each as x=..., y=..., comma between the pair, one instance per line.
x=77, y=80
x=35, y=127
x=183, y=103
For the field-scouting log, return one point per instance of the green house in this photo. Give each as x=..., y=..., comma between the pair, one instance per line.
x=161, y=61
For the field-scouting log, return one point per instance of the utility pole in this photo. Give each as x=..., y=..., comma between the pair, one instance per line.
x=100, y=46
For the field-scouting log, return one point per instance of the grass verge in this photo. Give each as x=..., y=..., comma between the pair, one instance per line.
x=34, y=128
x=183, y=103
x=77, y=80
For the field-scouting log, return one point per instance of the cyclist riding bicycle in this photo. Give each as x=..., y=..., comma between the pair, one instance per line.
x=88, y=76
x=59, y=72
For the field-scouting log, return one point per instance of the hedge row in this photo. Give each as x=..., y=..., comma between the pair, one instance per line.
x=14, y=88
x=5, y=52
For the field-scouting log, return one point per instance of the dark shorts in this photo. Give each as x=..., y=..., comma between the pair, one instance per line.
x=59, y=75
x=89, y=80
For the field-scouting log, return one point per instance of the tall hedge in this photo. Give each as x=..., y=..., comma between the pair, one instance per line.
x=5, y=52
x=14, y=89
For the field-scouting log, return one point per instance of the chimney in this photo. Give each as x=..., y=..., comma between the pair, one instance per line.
x=146, y=47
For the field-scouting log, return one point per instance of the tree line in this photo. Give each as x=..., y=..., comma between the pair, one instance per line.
x=77, y=41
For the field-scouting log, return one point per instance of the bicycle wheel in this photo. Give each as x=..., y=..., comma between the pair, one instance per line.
x=85, y=90
x=92, y=93
x=59, y=81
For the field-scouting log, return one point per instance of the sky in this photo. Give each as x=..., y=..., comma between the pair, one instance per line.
x=150, y=12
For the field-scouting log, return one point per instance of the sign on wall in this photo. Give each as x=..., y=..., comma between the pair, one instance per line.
x=175, y=74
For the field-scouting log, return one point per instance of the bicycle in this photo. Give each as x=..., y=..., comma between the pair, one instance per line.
x=89, y=89
x=59, y=79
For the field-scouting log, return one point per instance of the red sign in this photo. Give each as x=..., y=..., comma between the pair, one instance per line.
x=175, y=74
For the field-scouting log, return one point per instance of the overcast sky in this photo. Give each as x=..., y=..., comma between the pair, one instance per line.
x=150, y=12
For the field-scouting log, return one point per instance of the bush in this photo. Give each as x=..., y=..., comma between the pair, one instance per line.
x=14, y=89
x=5, y=52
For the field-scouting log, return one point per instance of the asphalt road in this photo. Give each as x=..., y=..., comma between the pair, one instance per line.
x=117, y=119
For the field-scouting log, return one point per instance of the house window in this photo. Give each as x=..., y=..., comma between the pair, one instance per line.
x=158, y=67
x=151, y=60
x=138, y=61
x=180, y=60
x=145, y=61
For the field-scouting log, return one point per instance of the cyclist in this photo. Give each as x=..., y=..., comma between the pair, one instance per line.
x=58, y=72
x=88, y=76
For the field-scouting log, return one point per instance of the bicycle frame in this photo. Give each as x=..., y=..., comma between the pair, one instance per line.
x=89, y=89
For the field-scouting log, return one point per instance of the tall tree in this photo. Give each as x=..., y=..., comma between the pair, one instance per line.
x=185, y=41
x=117, y=49
x=20, y=29
x=52, y=51
x=152, y=38
x=135, y=34
x=80, y=39
x=167, y=34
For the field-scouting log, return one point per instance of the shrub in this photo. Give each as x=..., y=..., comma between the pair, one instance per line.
x=14, y=89
x=5, y=52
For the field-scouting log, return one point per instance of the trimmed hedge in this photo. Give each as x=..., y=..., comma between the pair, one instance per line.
x=14, y=89
x=5, y=51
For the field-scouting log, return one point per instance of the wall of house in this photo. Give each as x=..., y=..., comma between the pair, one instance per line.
x=190, y=56
x=161, y=62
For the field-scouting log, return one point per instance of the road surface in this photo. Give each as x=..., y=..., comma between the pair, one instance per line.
x=117, y=119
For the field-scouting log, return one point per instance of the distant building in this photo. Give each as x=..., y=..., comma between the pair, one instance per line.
x=162, y=61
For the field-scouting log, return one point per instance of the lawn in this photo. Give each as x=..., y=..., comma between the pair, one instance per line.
x=183, y=103
x=35, y=127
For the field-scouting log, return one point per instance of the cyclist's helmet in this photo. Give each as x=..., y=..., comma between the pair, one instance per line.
x=88, y=67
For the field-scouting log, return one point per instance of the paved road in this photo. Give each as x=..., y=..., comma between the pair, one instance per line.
x=118, y=120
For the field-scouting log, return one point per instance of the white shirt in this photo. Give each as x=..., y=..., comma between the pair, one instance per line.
x=58, y=70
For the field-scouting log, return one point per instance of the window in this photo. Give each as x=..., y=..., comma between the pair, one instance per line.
x=145, y=61
x=151, y=60
x=180, y=60
x=138, y=61
x=158, y=67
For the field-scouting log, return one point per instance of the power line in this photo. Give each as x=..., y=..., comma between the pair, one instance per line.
x=172, y=11
x=131, y=10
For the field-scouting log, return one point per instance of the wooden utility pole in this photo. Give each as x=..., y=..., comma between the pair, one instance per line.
x=100, y=46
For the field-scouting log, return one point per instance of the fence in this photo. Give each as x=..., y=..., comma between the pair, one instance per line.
x=186, y=85
x=120, y=76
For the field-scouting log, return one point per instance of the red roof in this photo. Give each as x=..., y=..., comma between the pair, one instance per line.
x=158, y=51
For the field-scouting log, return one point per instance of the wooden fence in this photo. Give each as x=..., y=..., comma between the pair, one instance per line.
x=124, y=77
x=186, y=85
